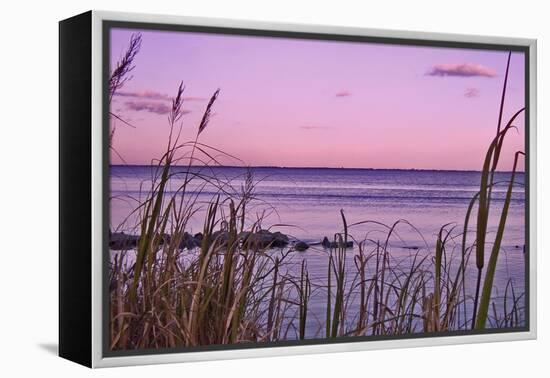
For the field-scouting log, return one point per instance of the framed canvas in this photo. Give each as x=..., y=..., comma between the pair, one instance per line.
x=234, y=189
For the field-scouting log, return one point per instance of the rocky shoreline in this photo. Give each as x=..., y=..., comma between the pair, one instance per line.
x=261, y=239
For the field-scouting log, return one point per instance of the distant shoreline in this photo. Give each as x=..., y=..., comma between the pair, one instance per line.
x=313, y=168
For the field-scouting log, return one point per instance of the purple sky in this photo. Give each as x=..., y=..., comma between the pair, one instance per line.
x=288, y=102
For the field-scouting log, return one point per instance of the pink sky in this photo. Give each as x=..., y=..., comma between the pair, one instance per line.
x=290, y=102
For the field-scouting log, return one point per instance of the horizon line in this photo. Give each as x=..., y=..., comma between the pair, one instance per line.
x=287, y=167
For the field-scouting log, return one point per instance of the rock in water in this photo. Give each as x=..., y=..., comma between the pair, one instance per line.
x=332, y=244
x=280, y=240
x=220, y=237
x=265, y=239
x=120, y=241
x=198, y=238
x=188, y=241
x=301, y=246
x=162, y=239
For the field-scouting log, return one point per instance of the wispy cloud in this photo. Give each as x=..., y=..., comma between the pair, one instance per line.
x=149, y=95
x=343, y=94
x=148, y=106
x=314, y=127
x=461, y=70
x=194, y=98
x=152, y=95
x=471, y=92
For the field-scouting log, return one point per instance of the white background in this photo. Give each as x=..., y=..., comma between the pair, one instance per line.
x=28, y=186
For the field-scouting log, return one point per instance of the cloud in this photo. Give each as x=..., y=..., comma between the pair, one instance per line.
x=152, y=95
x=149, y=95
x=313, y=127
x=471, y=92
x=194, y=98
x=148, y=106
x=461, y=70
x=343, y=94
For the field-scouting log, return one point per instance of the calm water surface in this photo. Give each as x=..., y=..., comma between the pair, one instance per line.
x=305, y=203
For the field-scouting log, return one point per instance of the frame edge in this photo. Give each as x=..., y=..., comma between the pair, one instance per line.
x=75, y=287
x=97, y=357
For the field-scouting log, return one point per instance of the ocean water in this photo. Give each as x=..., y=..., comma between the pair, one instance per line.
x=308, y=200
x=305, y=203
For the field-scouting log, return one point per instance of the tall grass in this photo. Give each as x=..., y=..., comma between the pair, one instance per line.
x=118, y=76
x=484, y=198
